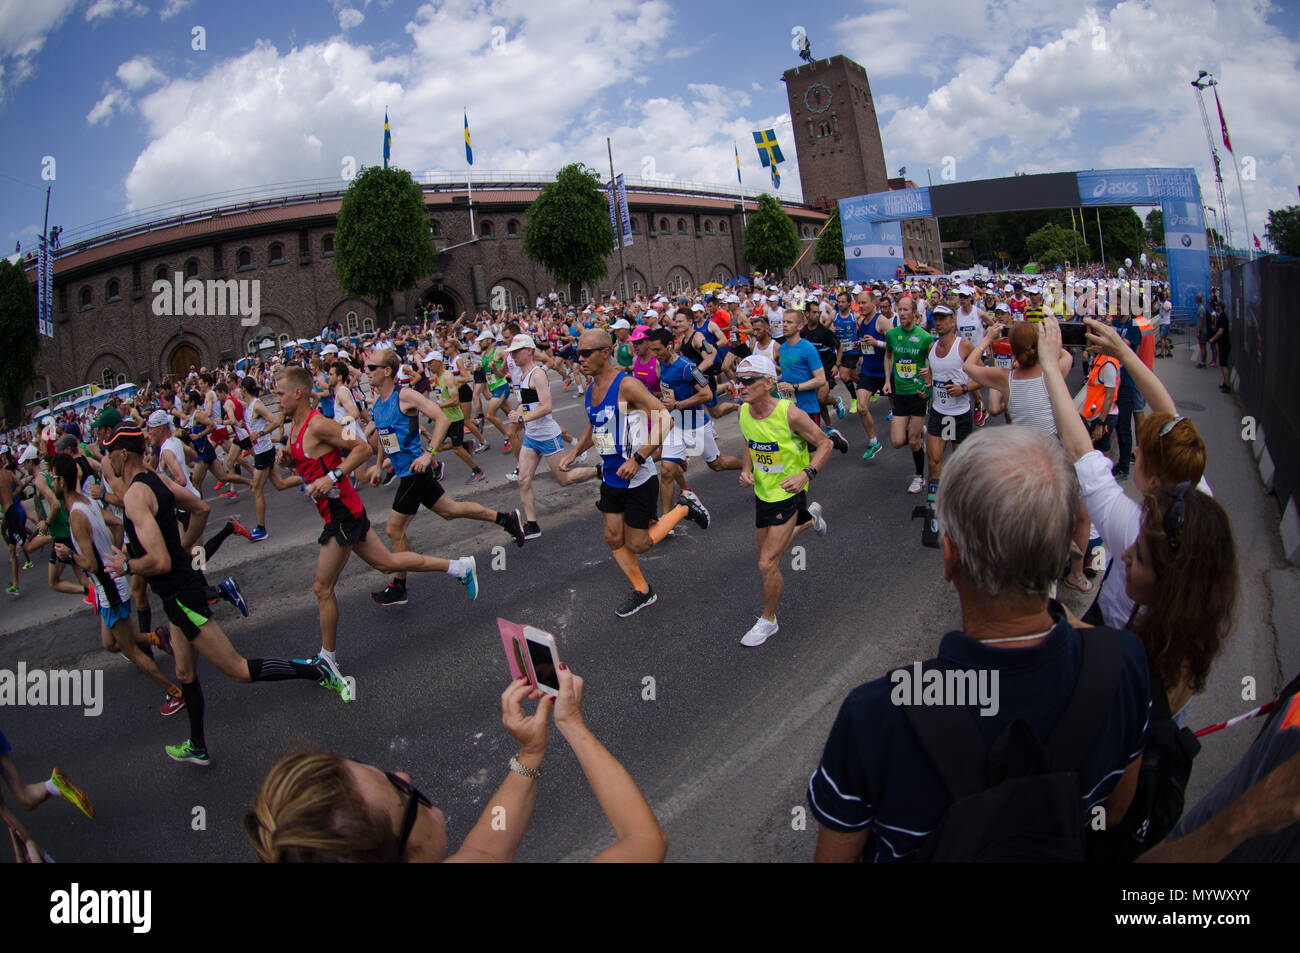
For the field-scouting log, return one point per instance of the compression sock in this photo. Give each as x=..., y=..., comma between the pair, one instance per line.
x=918, y=458
x=627, y=562
x=192, y=692
x=934, y=489
x=144, y=616
x=278, y=670
x=212, y=545
x=660, y=529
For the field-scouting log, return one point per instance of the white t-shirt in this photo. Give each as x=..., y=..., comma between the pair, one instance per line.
x=1109, y=378
x=1166, y=312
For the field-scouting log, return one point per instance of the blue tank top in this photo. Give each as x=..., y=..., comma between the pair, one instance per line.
x=609, y=427
x=704, y=329
x=399, y=433
x=679, y=377
x=845, y=327
x=873, y=359
x=201, y=444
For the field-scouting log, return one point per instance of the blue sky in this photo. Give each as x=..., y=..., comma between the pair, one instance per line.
x=287, y=91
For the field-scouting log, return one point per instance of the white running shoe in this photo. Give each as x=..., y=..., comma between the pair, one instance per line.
x=917, y=485
x=819, y=524
x=760, y=633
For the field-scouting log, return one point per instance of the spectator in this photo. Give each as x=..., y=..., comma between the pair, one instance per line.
x=315, y=808
x=1006, y=508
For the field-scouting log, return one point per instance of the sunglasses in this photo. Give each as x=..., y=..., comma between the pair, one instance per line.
x=1176, y=515
x=749, y=381
x=1170, y=426
x=585, y=352
x=413, y=801
x=375, y=367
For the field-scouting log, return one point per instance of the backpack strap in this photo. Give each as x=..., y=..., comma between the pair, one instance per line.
x=1100, y=664
x=953, y=744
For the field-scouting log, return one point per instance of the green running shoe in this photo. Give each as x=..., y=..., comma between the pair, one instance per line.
x=332, y=678
x=73, y=794
x=873, y=448
x=470, y=579
x=187, y=752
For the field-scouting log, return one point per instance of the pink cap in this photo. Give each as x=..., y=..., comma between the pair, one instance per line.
x=639, y=333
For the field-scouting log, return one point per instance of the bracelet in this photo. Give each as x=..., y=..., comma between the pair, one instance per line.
x=810, y=471
x=518, y=767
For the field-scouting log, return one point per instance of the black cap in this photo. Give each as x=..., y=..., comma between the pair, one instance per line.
x=127, y=437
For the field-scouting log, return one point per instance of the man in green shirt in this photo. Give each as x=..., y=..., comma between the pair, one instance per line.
x=445, y=392
x=907, y=349
x=622, y=345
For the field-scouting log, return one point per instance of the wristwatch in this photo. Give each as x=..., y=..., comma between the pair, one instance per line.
x=811, y=472
x=335, y=475
x=640, y=460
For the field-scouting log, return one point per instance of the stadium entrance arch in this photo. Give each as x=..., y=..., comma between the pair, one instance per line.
x=873, y=237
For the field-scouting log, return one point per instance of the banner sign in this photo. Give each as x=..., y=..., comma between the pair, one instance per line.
x=625, y=219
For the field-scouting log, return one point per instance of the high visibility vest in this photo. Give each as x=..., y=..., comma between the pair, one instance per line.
x=1094, y=398
x=1147, y=346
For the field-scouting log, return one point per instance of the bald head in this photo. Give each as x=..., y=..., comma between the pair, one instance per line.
x=595, y=338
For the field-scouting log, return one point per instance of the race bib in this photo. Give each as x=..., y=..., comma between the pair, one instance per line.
x=1002, y=360
x=766, y=456
x=943, y=398
x=905, y=368
x=389, y=442
x=604, y=442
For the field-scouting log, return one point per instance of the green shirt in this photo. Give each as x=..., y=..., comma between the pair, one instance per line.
x=491, y=361
x=775, y=451
x=623, y=355
x=447, y=389
x=910, y=350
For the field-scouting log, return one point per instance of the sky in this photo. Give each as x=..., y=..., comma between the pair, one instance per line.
x=130, y=104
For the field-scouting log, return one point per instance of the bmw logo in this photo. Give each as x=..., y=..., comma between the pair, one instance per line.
x=891, y=251
x=1187, y=241
x=857, y=253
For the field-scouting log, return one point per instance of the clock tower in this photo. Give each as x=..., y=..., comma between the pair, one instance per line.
x=836, y=134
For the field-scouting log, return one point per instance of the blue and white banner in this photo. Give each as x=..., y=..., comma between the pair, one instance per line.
x=624, y=218
x=883, y=206
x=45, y=313
x=613, y=209
x=873, y=249
x=1137, y=186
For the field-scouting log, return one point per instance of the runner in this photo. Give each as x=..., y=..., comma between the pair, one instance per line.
x=202, y=426
x=261, y=423
x=543, y=438
x=155, y=550
x=801, y=365
x=445, y=392
x=950, y=417
x=848, y=354
x=346, y=412
x=619, y=411
x=873, y=325
x=14, y=525
x=778, y=435
x=906, y=348
x=396, y=414
x=493, y=365
x=970, y=326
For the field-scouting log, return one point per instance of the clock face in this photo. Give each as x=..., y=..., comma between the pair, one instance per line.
x=817, y=98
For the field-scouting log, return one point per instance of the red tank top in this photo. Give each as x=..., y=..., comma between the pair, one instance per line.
x=340, y=503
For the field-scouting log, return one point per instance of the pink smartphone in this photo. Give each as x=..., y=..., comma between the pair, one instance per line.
x=532, y=655
x=516, y=648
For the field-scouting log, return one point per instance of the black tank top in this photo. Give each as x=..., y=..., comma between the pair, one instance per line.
x=181, y=571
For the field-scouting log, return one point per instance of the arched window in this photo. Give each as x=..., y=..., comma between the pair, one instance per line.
x=520, y=304
x=435, y=227
x=160, y=273
x=245, y=259
x=512, y=229
x=192, y=268
x=108, y=378
x=708, y=227
x=84, y=299
x=39, y=395
x=327, y=245
x=282, y=339
x=636, y=225
x=636, y=288
x=251, y=348
x=681, y=226
x=276, y=253
x=368, y=325
x=352, y=322
x=723, y=227
x=114, y=290
x=583, y=297
x=664, y=226
x=485, y=229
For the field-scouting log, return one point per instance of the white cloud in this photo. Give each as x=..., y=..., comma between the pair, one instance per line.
x=23, y=29
x=172, y=7
x=350, y=17
x=106, y=9
x=139, y=72
x=114, y=101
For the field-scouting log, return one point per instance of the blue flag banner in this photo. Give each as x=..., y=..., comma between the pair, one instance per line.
x=776, y=177
x=737, y=148
x=624, y=218
x=388, y=140
x=45, y=316
x=769, y=153
x=613, y=207
x=469, y=152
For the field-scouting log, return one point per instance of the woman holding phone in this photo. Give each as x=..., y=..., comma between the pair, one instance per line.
x=321, y=808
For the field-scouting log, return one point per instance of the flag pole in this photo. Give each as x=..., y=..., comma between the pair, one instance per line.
x=618, y=231
x=1102, y=237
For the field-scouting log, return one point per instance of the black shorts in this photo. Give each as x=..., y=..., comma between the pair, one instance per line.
x=909, y=405
x=638, y=504
x=456, y=433
x=1225, y=350
x=740, y=350
x=480, y=376
x=780, y=513
x=850, y=361
x=347, y=531
x=872, y=385
x=464, y=393
x=415, y=489
x=965, y=424
x=54, y=541
x=15, y=522
x=245, y=443
x=264, y=460
x=192, y=596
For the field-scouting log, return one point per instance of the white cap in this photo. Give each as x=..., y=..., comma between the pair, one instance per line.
x=620, y=323
x=330, y=349
x=773, y=298
x=939, y=309
x=697, y=307
x=1002, y=306
x=160, y=418
x=432, y=356
x=1035, y=289
x=485, y=336
x=28, y=454
x=521, y=341
x=650, y=314
x=965, y=290
x=857, y=289
x=895, y=288
x=757, y=364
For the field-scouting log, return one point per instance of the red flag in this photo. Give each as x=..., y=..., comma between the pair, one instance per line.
x=1257, y=244
x=1223, y=123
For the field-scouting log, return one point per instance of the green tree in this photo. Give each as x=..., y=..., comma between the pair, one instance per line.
x=383, y=241
x=1051, y=245
x=1156, y=227
x=771, y=239
x=830, y=246
x=568, y=231
x=1283, y=229
x=22, y=344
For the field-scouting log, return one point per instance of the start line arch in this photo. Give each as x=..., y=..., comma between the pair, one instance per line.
x=873, y=235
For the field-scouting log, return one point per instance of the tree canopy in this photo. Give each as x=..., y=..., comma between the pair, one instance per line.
x=568, y=230
x=18, y=331
x=771, y=239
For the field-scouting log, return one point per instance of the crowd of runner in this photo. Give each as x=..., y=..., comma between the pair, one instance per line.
x=117, y=497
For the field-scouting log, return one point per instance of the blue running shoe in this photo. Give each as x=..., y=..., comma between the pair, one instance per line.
x=230, y=592
x=470, y=579
x=257, y=535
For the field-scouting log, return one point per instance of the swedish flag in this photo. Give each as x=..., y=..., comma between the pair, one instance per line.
x=738, y=179
x=776, y=177
x=388, y=140
x=469, y=153
x=769, y=153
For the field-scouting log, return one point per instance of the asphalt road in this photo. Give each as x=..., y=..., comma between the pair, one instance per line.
x=722, y=750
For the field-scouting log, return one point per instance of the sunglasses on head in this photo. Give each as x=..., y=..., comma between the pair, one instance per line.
x=1176, y=515
x=413, y=801
x=1170, y=426
x=588, y=351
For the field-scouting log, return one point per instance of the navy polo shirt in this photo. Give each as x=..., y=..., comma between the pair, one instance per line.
x=875, y=776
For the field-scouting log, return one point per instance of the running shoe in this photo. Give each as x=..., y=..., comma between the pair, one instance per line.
x=470, y=579
x=839, y=407
x=695, y=510
x=819, y=523
x=531, y=530
x=566, y=385
x=477, y=476
x=760, y=633
x=164, y=636
x=1120, y=475
x=231, y=494
x=505, y=448
x=873, y=448
x=220, y=484
x=390, y=595
x=90, y=599
x=515, y=527
x=257, y=535
x=853, y=406
x=13, y=591
x=483, y=447
x=172, y=705
x=917, y=484
x=73, y=794
x=636, y=602
x=332, y=678
x=239, y=529
x=230, y=592
x=389, y=477
x=980, y=417
x=187, y=752
x=889, y=416
x=838, y=441
x=513, y=475
x=29, y=564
